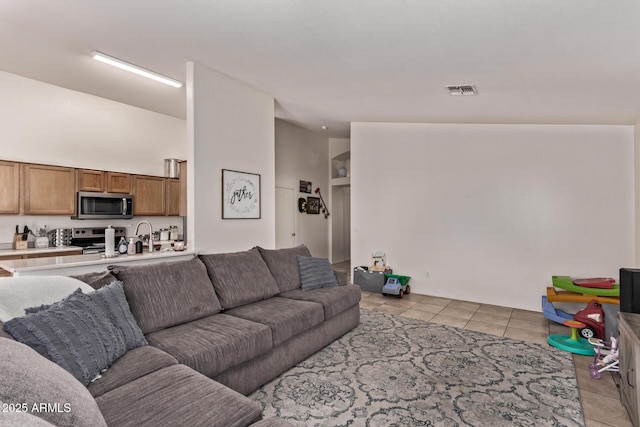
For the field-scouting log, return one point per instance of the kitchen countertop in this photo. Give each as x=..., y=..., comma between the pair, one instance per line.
x=78, y=264
x=33, y=251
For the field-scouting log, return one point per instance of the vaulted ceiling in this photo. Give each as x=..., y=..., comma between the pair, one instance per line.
x=332, y=62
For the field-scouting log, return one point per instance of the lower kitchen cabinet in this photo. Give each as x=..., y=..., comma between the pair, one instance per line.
x=629, y=345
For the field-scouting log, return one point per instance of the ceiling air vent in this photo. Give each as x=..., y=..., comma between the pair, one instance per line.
x=462, y=90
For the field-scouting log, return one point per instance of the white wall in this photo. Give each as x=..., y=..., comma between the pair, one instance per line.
x=42, y=123
x=493, y=211
x=304, y=155
x=230, y=126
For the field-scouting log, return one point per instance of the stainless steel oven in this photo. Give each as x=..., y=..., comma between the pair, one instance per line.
x=92, y=239
x=103, y=206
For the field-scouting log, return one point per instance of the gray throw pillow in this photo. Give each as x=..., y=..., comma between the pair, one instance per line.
x=74, y=333
x=112, y=300
x=315, y=273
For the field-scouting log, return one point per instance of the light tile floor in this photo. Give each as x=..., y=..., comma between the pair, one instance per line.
x=600, y=398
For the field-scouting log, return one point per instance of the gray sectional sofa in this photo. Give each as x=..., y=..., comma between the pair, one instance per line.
x=217, y=327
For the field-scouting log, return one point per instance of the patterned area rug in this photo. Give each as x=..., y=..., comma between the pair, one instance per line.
x=395, y=371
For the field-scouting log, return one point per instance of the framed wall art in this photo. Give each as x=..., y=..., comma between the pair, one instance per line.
x=240, y=195
x=313, y=205
x=305, y=187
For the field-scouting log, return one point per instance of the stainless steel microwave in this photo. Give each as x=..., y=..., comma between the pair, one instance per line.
x=103, y=206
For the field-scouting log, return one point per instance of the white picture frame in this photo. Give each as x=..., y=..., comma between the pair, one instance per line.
x=240, y=195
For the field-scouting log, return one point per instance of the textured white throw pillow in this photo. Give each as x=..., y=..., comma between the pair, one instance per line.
x=18, y=293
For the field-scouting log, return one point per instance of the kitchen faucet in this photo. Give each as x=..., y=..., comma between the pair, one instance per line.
x=150, y=233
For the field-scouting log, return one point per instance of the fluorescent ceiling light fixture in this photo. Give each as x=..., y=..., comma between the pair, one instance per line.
x=135, y=69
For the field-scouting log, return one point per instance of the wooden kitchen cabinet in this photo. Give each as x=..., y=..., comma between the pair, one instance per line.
x=173, y=197
x=149, y=195
x=48, y=190
x=90, y=180
x=629, y=346
x=118, y=182
x=9, y=188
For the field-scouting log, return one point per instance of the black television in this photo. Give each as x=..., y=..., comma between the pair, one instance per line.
x=630, y=290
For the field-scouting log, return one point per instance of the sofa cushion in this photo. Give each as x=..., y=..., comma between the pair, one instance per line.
x=215, y=343
x=169, y=293
x=96, y=279
x=315, y=273
x=31, y=379
x=18, y=293
x=285, y=317
x=133, y=365
x=74, y=333
x=335, y=300
x=177, y=396
x=240, y=278
x=283, y=264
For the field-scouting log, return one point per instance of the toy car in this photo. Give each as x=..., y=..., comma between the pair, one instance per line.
x=396, y=285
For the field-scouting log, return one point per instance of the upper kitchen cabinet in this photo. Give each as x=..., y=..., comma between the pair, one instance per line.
x=149, y=195
x=173, y=197
x=118, y=182
x=9, y=188
x=101, y=181
x=48, y=190
x=90, y=180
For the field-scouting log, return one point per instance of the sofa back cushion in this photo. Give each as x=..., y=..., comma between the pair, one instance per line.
x=166, y=294
x=30, y=379
x=240, y=278
x=283, y=264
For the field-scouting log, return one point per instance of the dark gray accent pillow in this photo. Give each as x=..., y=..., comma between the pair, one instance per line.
x=316, y=273
x=74, y=333
x=166, y=294
x=30, y=379
x=112, y=300
x=240, y=278
x=283, y=264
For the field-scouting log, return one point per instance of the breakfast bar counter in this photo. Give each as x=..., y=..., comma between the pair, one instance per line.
x=80, y=264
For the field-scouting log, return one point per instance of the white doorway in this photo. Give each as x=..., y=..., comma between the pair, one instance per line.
x=285, y=217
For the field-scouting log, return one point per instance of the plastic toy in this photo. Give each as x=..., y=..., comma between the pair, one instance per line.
x=568, y=284
x=396, y=285
x=592, y=317
x=605, y=358
x=571, y=343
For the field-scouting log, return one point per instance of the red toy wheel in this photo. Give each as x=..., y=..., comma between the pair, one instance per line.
x=408, y=291
x=401, y=294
